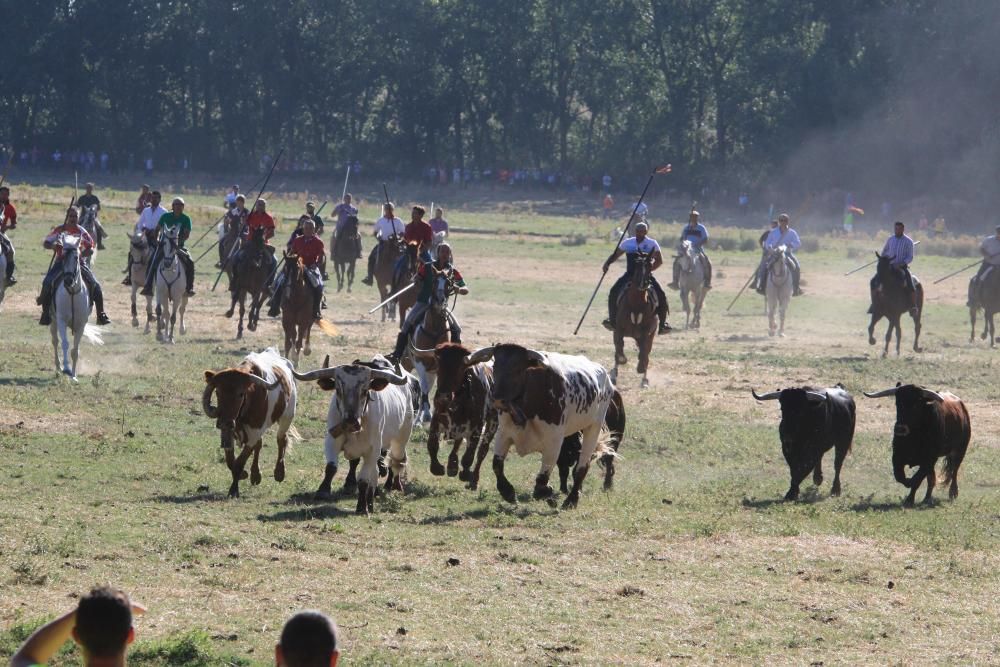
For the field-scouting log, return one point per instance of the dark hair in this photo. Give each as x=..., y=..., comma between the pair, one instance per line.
x=900, y=224
x=103, y=621
x=309, y=639
x=419, y=209
x=155, y=193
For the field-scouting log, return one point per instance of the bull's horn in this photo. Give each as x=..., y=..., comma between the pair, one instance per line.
x=879, y=394
x=479, y=356
x=933, y=394
x=388, y=376
x=770, y=396
x=261, y=382
x=317, y=374
x=206, y=402
x=816, y=395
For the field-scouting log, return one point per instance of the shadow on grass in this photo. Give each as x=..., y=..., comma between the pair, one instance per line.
x=30, y=381
x=309, y=513
x=868, y=505
x=193, y=498
x=807, y=497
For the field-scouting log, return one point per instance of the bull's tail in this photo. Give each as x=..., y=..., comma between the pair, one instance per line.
x=607, y=446
x=93, y=334
x=294, y=435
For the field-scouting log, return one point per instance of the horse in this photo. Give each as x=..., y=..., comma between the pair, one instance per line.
x=229, y=244
x=3, y=265
x=345, y=255
x=70, y=308
x=296, y=308
x=692, y=284
x=385, y=265
x=890, y=302
x=88, y=221
x=778, y=291
x=252, y=279
x=406, y=300
x=437, y=240
x=170, y=284
x=434, y=330
x=141, y=253
x=987, y=297
x=636, y=317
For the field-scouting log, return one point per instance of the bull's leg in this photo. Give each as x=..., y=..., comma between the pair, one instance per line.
x=798, y=470
x=588, y=446
x=351, y=481
x=568, y=456
x=501, y=445
x=475, y=435
x=818, y=471
x=931, y=482
x=433, y=445
x=236, y=468
x=255, y=465
x=549, y=458
x=330, y=450
x=484, y=444
x=366, y=483
x=279, y=466
x=453, y=456
x=608, y=461
x=397, y=465
x=839, y=455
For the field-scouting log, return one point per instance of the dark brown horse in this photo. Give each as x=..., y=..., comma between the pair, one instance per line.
x=985, y=295
x=385, y=264
x=297, y=308
x=251, y=280
x=345, y=253
x=636, y=317
x=404, y=278
x=891, y=302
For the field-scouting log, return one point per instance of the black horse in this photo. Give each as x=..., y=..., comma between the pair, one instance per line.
x=891, y=301
x=345, y=253
x=985, y=294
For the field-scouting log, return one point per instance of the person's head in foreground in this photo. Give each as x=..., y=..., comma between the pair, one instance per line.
x=309, y=639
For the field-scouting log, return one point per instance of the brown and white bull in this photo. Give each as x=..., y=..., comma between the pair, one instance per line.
x=542, y=398
x=929, y=425
x=251, y=398
x=463, y=411
x=371, y=410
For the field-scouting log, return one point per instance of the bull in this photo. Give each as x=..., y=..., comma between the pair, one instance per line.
x=813, y=421
x=569, y=454
x=542, y=397
x=929, y=425
x=372, y=409
x=462, y=412
x=251, y=398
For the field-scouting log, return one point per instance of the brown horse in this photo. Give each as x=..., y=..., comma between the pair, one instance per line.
x=431, y=332
x=892, y=301
x=389, y=251
x=404, y=278
x=345, y=253
x=636, y=317
x=297, y=308
x=985, y=294
x=252, y=274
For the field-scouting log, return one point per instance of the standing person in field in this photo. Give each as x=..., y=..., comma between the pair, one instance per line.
x=385, y=228
x=87, y=200
x=309, y=639
x=8, y=220
x=101, y=625
x=143, y=201
x=438, y=223
x=609, y=204
x=148, y=224
x=174, y=218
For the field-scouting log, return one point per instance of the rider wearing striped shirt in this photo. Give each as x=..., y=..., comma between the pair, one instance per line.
x=782, y=235
x=899, y=249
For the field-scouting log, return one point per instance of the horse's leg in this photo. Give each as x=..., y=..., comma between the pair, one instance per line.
x=135, y=309
x=993, y=338
x=149, y=313
x=888, y=336
x=64, y=336
x=180, y=312
x=871, y=326
x=241, y=298
x=53, y=331
x=972, y=322
x=350, y=275
x=308, y=337
x=173, y=319
x=916, y=330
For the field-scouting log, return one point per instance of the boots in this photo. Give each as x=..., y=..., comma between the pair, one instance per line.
x=762, y=284
x=795, y=283
x=914, y=309
x=397, y=352
x=317, y=303
x=367, y=280
x=11, y=280
x=609, y=323
x=44, y=300
x=189, y=274
x=98, y=295
x=275, y=309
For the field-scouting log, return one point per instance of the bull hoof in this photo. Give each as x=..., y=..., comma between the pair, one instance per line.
x=542, y=492
x=908, y=502
x=571, y=501
x=234, y=491
x=452, y=466
x=835, y=491
x=323, y=494
x=255, y=477
x=350, y=488
x=437, y=469
x=243, y=474
x=279, y=472
x=135, y=323
x=792, y=494
x=507, y=493
x=464, y=475
x=473, y=484
x=871, y=340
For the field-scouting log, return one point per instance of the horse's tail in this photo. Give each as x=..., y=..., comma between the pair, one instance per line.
x=93, y=334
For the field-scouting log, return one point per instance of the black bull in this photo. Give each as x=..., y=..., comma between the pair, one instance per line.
x=813, y=421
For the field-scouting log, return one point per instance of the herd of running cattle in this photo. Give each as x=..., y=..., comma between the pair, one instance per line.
x=565, y=408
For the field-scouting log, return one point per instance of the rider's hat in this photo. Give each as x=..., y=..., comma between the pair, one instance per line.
x=178, y=200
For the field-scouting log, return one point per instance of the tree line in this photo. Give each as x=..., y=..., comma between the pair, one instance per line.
x=815, y=92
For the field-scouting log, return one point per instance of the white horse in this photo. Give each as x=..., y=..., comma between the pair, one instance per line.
x=692, y=284
x=70, y=308
x=779, y=288
x=170, y=289
x=437, y=240
x=141, y=253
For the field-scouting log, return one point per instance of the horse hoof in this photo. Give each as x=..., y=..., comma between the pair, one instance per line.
x=437, y=469
x=871, y=340
x=770, y=332
x=279, y=472
x=228, y=313
x=255, y=477
x=307, y=351
x=135, y=323
x=251, y=327
x=644, y=384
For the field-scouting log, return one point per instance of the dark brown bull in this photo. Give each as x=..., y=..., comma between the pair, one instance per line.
x=462, y=412
x=929, y=425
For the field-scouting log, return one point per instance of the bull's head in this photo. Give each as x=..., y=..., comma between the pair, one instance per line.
x=802, y=414
x=511, y=364
x=915, y=407
x=231, y=387
x=352, y=384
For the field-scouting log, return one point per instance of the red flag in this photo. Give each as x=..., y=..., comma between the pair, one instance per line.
x=664, y=169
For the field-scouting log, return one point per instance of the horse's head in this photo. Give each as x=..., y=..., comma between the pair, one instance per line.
x=138, y=245
x=70, y=259
x=443, y=287
x=883, y=266
x=257, y=239
x=642, y=269
x=170, y=235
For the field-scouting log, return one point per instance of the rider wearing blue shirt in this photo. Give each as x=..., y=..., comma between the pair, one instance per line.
x=631, y=247
x=782, y=235
x=697, y=234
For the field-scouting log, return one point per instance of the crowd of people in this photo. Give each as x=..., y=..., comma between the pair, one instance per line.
x=102, y=625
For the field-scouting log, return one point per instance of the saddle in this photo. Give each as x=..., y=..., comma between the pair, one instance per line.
x=653, y=298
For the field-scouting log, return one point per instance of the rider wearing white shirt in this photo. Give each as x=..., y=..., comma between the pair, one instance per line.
x=386, y=227
x=631, y=247
x=782, y=235
x=641, y=211
x=990, y=249
x=146, y=224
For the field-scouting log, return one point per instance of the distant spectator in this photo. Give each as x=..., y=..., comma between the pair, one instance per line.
x=231, y=196
x=57, y=158
x=609, y=204
x=149, y=166
x=744, y=202
x=606, y=181
x=104, y=161
x=101, y=625
x=940, y=228
x=438, y=223
x=309, y=639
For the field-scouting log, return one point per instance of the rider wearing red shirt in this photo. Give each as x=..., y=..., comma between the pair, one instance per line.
x=8, y=220
x=71, y=228
x=418, y=236
x=260, y=219
x=310, y=249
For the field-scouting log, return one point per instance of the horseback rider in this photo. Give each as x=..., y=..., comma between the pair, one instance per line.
x=763, y=252
x=898, y=249
x=990, y=249
x=640, y=243
x=173, y=218
x=84, y=202
x=782, y=235
x=386, y=227
x=696, y=233
x=300, y=231
x=233, y=224
x=418, y=237
x=148, y=224
x=425, y=277
x=70, y=227
x=260, y=223
x=230, y=199
x=309, y=248
x=343, y=211
x=438, y=223
x=145, y=197
x=8, y=220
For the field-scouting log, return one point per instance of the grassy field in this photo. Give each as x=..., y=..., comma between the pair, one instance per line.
x=693, y=558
